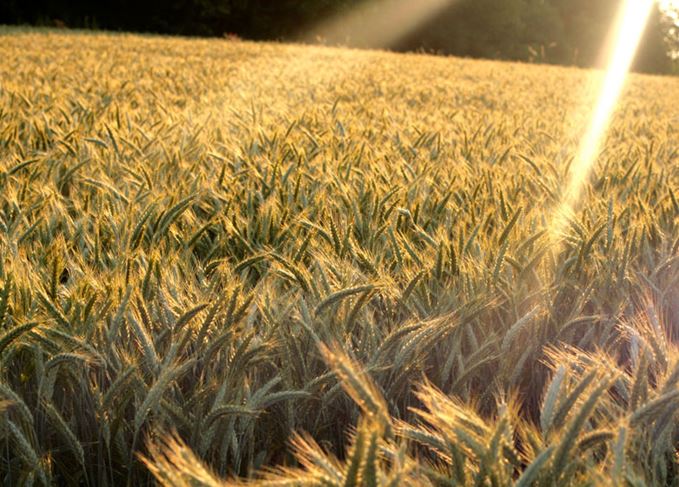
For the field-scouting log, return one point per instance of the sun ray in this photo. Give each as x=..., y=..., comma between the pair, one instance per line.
x=628, y=32
x=376, y=23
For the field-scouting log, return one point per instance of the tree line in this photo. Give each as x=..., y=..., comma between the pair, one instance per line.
x=553, y=31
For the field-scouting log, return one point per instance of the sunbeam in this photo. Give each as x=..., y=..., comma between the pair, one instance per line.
x=376, y=23
x=629, y=29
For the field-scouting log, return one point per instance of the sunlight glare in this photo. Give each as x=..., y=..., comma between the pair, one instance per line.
x=376, y=23
x=628, y=33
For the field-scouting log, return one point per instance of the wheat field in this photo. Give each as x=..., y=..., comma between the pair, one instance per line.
x=226, y=262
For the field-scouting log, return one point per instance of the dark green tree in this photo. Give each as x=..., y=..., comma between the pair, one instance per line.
x=482, y=28
x=653, y=52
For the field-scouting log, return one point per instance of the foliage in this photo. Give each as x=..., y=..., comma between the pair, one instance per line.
x=213, y=246
x=570, y=32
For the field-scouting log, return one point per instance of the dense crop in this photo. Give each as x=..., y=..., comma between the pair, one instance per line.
x=331, y=263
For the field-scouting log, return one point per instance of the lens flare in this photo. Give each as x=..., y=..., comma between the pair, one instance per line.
x=629, y=30
x=377, y=23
